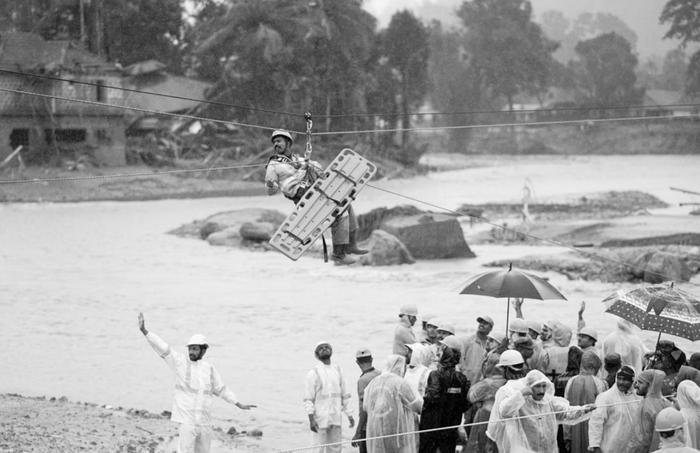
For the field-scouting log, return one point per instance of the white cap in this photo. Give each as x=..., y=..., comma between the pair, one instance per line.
x=447, y=327
x=408, y=309
x=511, y=357
x=198, y=340
x=518, y=325
x=535, y=325
x=590, y=332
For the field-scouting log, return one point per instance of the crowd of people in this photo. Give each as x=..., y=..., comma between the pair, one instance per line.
x=543, y=387
x=532, y=390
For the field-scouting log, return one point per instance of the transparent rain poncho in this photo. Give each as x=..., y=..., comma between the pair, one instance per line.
x=536, y=431
x=615, y=424
x=417, y=372
x=391, y=405
x=627, y=343
x=688, y=397
x=652, y=404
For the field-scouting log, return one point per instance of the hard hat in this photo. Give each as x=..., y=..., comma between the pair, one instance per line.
x=408, y=309
x=452, y=342
x=518, y=325
x=590, y=332
x=486, y=319
x=283, y=133
x=197, y=340
x=535, y=325
x=447, y=327
x=510, y=358
x=669, y=419
x=363, y=352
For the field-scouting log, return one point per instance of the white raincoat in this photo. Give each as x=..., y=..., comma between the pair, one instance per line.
x=195, y=383
x=537, y=430
x=688, y=397
x=615, y=424
x=391, y=405
x=417, y=372
x=326, y=395
x=625, y=342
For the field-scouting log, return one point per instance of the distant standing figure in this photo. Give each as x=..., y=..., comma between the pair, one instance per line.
x=363, y=358
x=195, y=383
x=403, y=333
x=326, y=398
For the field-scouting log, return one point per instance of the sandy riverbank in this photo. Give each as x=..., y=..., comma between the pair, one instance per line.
x=48, y=425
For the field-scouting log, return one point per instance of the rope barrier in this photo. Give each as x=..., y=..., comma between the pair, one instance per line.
x=136, y=109
x=463, y=425
x=150, y=93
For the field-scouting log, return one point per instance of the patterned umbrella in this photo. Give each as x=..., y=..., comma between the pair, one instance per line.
x=660, y=308
x=511, y=283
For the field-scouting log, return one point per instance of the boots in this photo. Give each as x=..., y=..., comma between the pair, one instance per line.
x=339, y=257
x=352, y=246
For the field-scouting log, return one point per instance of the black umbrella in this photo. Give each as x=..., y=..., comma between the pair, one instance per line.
x=511, y=283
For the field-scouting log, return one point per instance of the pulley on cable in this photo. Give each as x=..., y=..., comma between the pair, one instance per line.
x=322, y=197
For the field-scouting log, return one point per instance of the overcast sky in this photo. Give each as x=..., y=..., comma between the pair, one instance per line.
x=642, y=16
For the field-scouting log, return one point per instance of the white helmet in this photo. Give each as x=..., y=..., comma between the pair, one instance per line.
x=669, y=419
x=511, y=358
x=281, y=133
x=409, y=309
x=197, y=340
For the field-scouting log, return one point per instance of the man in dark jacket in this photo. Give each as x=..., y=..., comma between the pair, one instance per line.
x=443, y=405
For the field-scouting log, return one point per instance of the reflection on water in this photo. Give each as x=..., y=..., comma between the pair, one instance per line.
x=75, y=276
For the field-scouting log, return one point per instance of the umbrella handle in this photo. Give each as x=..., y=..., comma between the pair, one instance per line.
x=507, y=316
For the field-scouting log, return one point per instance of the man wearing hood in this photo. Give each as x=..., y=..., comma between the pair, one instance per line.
x=417, y=371
x=444, y=403
x=614, y=426
x=391, y=406
x=195, y=383
x=580, y=390
x=648, y=385
x=326, y=398
x=535, y=414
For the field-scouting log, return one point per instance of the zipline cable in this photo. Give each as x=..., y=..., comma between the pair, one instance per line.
x=529, y=235
x=366, y=131
x=497, y=125
x=354, y=115
x=150, y=93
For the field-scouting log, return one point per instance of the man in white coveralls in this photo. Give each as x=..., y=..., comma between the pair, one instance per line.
x=195, y=383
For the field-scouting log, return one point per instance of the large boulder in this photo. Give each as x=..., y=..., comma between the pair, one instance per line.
x=385, y=249
x=232, y=228
x=430, y=235
x=664, y=266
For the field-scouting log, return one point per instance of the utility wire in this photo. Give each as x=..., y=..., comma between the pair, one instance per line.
x=137, y=109
x=150, y=93
x=352, y=115
x=531, y=123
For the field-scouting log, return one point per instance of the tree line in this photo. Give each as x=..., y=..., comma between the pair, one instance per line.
x=329, y=56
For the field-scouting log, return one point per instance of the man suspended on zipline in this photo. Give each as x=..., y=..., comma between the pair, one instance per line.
x=293, y=175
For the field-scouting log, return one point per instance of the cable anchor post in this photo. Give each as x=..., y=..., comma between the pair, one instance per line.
x=309, y=125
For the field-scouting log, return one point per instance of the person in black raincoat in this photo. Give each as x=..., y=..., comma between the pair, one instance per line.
x=443, y=405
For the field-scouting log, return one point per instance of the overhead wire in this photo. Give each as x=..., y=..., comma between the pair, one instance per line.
x=355, y=115
x=150, y=93
x=137, y=109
